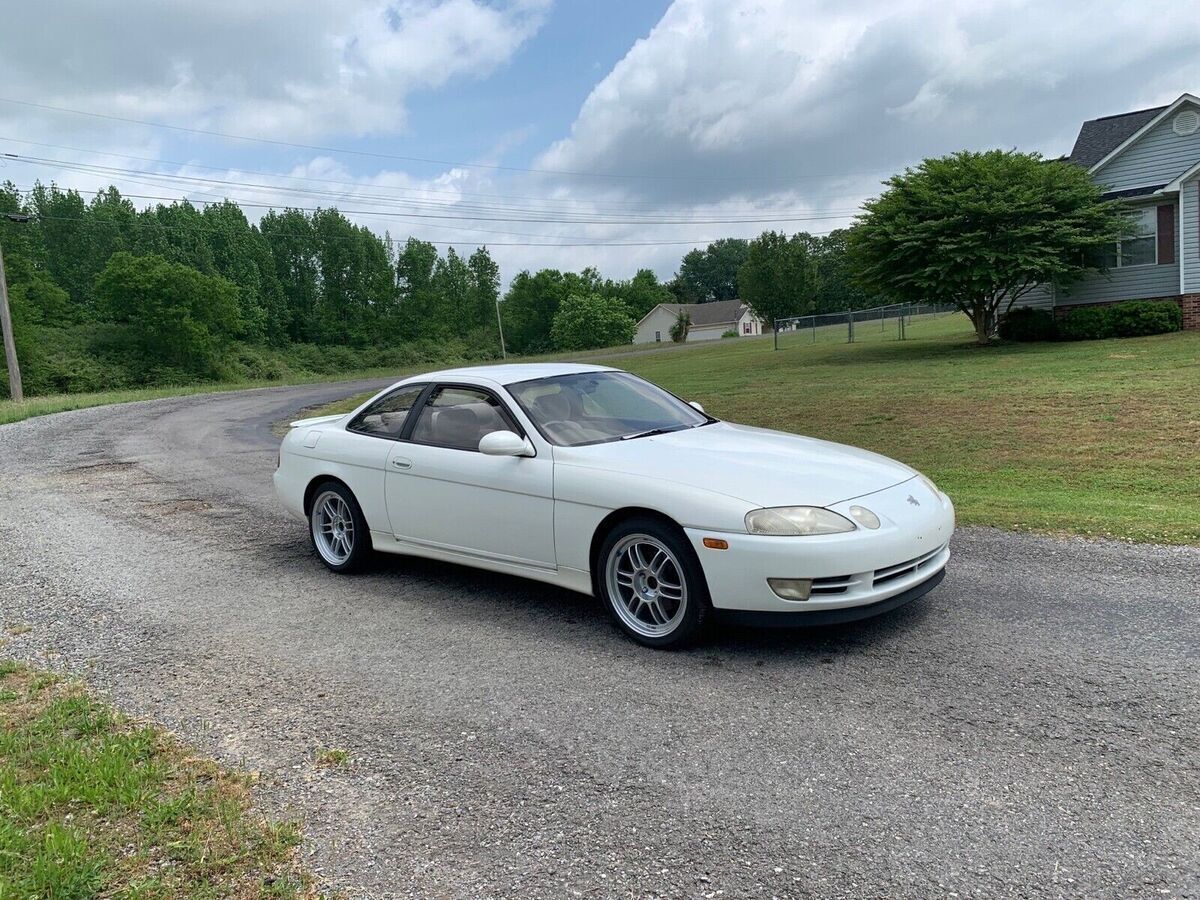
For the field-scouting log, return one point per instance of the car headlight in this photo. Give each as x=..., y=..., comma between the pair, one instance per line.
x=796, y=520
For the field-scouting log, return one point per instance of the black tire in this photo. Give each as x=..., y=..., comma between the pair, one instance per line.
x=663, y=622
x=332, y=551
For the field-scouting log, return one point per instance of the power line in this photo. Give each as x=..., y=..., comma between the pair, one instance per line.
x=622, y=204
x=561, y=218
x=28, y=192
x=393, y=156
x=394, y=241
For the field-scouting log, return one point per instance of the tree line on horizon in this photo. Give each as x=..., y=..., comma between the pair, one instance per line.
x=106, y=295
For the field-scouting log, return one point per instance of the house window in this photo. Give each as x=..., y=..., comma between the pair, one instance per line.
x=658, y=337
x=745, y=328
x=1142, y=248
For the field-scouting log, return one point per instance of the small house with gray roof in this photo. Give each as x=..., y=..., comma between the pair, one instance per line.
x=709, y=321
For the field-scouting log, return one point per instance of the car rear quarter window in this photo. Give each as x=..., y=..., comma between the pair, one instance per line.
x=385, y=417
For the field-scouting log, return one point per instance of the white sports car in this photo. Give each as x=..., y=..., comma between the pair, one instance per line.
x=596, y=480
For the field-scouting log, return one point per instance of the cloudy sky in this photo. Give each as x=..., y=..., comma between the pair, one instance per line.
x=615, y=133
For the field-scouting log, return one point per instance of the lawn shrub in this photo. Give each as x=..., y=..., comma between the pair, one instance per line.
x=1028, y=324
x=1087, y=323
x=728, y=334
x=1135, y=318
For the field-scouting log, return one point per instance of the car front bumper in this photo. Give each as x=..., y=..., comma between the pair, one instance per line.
x=856, y=574
x=801, y=618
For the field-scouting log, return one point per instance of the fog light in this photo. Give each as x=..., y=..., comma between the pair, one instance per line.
x=791, y=588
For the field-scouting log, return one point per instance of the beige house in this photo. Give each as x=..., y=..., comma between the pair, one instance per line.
x=709, y=321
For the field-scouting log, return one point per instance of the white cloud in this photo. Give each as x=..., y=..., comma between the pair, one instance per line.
x=766, y=91
x=732, y=107
x=278, y=68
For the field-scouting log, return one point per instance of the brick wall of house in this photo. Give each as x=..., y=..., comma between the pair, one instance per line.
x=1189, y=303
x=1191, y=311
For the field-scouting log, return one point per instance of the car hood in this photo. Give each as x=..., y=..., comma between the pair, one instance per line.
x=767, y=468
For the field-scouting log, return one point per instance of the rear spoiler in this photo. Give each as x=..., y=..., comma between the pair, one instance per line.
x=319, y=420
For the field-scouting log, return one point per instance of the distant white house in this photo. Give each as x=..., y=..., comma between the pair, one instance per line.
x=709, y=321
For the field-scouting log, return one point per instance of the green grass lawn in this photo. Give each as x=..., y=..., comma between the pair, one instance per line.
x=92, y=804
x=1097, y=438
x=1094, y=438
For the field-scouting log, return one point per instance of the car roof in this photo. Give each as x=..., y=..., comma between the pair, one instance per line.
x=511, y=373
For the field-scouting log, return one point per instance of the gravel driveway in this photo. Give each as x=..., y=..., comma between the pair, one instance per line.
x=1031, y=728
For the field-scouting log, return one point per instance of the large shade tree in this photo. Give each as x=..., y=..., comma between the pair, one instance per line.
x=981, y=231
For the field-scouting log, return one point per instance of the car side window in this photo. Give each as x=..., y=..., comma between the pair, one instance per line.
x=385, y=417
x=459, y=417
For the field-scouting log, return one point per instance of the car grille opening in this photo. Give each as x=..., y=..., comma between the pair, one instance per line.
x=836, y=584
x=891, y=573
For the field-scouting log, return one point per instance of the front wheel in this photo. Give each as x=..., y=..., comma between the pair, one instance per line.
x=338, y=529
x=652, y=584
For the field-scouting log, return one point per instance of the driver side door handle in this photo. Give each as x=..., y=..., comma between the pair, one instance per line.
x=399, y=462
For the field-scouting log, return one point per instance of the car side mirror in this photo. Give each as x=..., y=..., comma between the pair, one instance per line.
x=696, y=406
x=504, y=443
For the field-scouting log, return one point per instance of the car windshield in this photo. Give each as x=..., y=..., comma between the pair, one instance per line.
x=594, y=407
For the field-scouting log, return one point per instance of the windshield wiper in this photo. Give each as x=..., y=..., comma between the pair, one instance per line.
x=650, y=433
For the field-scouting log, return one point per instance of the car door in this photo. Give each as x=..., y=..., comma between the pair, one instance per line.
x=361, y=450
x=444, y=494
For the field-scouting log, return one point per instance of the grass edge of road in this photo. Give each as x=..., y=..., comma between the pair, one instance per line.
x=93, y=803
x=33, y=407
x=49, y=404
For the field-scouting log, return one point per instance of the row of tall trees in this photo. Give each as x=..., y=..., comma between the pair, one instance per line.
x=792, y=276
x=300, y=276
x=106, y=294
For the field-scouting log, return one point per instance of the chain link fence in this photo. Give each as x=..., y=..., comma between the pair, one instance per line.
x=896, y=322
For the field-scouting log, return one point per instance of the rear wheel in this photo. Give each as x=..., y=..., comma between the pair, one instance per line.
x=652, y=583
x=338, y=529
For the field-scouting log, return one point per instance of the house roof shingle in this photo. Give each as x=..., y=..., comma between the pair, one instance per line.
x=1099, y=137
x=719, y=312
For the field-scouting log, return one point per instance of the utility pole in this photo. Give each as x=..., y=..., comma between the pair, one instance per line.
x=10, y=346
x=500, y=325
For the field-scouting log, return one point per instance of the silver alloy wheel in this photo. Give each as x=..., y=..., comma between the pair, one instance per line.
x=647, y=585
x=333, y=528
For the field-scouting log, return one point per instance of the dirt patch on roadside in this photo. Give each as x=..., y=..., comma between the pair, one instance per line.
x=123, y=489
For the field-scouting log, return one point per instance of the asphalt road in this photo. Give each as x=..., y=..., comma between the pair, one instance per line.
x=1031, y=728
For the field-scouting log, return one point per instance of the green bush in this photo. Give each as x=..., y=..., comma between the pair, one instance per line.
x=174, y=320
x=730, y=333
x=1087, y=323
x=586, y=321
x=1134, y=318
x=1028, y=324
x=249, y=362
